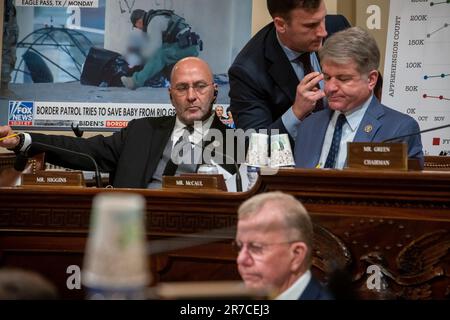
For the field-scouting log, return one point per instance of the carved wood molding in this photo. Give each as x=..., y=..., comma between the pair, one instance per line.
x=44, y=218
x=419, y=204
x=418, y=265
x=183, y=222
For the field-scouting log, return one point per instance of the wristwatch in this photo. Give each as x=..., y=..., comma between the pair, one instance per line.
x=19, y=146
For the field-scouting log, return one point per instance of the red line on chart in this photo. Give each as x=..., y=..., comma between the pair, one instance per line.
x=426, y=96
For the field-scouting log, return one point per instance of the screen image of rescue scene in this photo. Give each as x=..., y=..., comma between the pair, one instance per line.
x=115, y=51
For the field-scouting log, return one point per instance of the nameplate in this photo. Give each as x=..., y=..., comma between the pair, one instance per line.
x=377, y=156
x=195, y=181
x=54, y=178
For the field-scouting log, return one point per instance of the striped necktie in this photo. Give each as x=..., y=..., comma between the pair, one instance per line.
x=171, y=167
x=334, y=149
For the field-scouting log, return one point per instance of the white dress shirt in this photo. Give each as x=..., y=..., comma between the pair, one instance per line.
x=201, y=129
x=296, y=290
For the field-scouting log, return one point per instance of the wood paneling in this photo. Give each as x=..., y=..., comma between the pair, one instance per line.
x=396, y=221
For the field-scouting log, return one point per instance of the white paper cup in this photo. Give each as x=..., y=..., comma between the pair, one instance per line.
x=116, y=256
x=281, y=151
x=258, y=150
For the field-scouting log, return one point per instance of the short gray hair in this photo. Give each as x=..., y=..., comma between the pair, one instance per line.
x=295, y=216
x=352, y=44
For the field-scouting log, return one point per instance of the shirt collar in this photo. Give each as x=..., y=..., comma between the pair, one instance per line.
x=355, y=115
x=199, y=130
x=291, y=54
x=296, y=290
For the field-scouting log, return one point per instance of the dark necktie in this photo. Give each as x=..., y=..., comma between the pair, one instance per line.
x=305, y=59
x=171, y=167
x=334, y=149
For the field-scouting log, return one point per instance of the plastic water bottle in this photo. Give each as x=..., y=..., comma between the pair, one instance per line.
x=252, y=175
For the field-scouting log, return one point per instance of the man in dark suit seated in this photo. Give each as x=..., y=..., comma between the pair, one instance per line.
x=274, y=242
x=275, y=81
x=140, y=154
x=350, y=60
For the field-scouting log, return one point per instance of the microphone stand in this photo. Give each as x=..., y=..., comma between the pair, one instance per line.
x=416, y=133
x=47, y=147
x=238, y=173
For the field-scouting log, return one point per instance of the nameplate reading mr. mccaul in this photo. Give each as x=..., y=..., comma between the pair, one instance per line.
x=195, y=181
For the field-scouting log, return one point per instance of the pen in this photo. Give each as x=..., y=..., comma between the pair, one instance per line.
x=10, y=136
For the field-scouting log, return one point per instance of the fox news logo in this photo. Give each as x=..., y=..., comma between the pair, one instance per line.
x=21, y=113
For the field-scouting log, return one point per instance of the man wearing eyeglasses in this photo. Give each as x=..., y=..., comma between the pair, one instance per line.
x=147, y=149
x=274, y=243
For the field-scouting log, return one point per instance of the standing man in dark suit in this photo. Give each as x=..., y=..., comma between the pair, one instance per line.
x=275, y=81
x=140, y=154
x=274, y=242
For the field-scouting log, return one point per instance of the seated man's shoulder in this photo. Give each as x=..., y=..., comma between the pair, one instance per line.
x=397, y=116
x=316, y=291
x=254, y=49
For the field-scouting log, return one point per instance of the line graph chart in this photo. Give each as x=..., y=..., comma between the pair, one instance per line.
x=417, y=68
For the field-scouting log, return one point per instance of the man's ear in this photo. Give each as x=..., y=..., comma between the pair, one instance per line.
x=170, y=95
x=373, y=77
x=216, y=92
x=299, y=251
x=280, y=24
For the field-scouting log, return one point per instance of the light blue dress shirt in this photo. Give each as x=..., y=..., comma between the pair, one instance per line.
x=349, y=129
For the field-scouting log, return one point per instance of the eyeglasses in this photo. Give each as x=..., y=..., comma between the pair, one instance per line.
x=256, y=249
x=183, y=88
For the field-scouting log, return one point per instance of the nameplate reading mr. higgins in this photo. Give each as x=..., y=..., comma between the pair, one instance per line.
x=56, y=178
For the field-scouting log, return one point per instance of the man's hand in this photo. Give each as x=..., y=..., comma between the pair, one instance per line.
x=307, y=95
x=10, y=142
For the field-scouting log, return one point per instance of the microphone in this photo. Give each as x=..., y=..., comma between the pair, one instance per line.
x=416, y=133
x=48, y=147
x=21, y=161
x=76, y=130
x=216, y=144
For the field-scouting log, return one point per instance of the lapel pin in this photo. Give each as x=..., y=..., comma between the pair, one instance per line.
x=368, y=128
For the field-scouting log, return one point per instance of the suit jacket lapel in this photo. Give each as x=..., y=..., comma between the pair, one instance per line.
x=274, y=53
x=321, y=125
x=370, y=123
x=157, y=142
x=217, y=124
